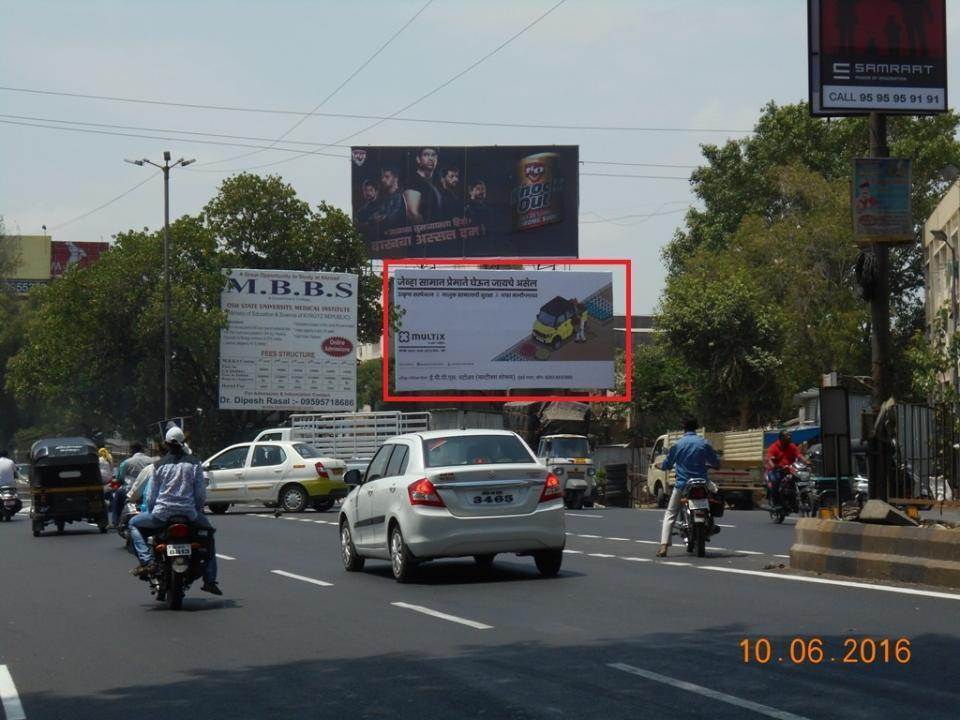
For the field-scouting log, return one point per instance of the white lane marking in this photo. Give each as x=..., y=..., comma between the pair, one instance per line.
x=782, y=556
x=586, y=516
x=290, y=518
x=842, y=583
x=443, y=616
x=305, y=520
x=707, y=692
x=647, y=542
x=9, y=697
x=573, y=552
x=748, y=552
x=225, y=557
x=592, y=537
x=674, y=562
x=603, y=555
x=619, y=539
x=722, y=525
x=636, y=559
x=284, y=573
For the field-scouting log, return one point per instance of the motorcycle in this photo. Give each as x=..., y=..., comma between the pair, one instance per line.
x=10, y=503
x=181, y=551
x=797, y=493
x=695, y=520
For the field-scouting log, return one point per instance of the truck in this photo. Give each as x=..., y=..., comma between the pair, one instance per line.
x=741, y=473
x=559, y=433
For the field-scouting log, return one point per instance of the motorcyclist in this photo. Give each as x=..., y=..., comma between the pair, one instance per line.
x=126, y=475
x=780, y=456
x=178, y=488
x=690, y=456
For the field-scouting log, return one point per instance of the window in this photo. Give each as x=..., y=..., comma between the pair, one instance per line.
x=271, y=436
x=232, y=459
x=306, y=451
x=563, y=447
x=378, y=465
x=657, y=450
x=398, y=462
x=475, y=450
x=268, y=455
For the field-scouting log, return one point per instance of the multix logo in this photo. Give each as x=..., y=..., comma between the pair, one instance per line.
x=405, y=336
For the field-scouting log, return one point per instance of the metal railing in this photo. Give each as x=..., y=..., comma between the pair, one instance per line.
x=926, y=453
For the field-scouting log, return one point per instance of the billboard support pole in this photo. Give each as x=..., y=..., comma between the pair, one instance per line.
x=880, y=320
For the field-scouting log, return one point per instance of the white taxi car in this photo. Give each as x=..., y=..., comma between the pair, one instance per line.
x=453, y=493
x=287, y=473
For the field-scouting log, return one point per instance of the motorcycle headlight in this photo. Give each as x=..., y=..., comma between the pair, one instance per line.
x=591, y=471
x=558, y=471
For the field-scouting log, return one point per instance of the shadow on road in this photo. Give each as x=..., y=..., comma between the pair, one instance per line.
x=467, y=572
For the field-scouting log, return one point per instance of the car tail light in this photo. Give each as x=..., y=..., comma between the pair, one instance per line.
x=322, y=471
x=178, y=531
x=422, y=492
x=698, y=492
x=552, y=490
x=114, y=485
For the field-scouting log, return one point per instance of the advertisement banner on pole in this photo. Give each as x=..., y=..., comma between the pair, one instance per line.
x=503, y=330
x=881, y=200
x=443, y=202
x=82, y=254
x=887, y=56
x=290, y=341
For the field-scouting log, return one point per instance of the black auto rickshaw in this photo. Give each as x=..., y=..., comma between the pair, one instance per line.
x=65, y=484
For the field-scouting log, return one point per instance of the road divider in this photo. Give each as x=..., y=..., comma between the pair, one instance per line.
x=707, y=692
x=12, y=707
x=302, y=578
x=443, y=616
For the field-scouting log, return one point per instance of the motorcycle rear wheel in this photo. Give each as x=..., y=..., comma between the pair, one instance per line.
x=175, y=591
x=700, y=533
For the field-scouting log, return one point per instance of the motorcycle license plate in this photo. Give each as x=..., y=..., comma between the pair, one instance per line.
x=698, y=504
x=493, y=497
x=9, y=503
x=178, y=550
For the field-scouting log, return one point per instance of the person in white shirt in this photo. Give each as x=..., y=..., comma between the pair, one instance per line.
x=8, y=470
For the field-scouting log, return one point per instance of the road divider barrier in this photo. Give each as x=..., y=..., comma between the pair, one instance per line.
x=928, y=556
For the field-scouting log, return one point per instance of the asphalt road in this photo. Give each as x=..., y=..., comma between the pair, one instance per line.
x=617, y=635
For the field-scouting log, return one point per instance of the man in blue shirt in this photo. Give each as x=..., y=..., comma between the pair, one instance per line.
x=689, y=457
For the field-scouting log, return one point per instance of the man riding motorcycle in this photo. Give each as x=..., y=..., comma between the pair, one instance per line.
x=126, y=475
x=780, y=456
x=178, y=488
x=690, y=456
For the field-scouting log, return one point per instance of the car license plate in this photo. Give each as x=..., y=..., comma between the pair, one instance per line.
x=698, y=504
x=493, y=497
x=178, y=550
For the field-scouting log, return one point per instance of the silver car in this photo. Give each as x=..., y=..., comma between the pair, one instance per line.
x=453, y=493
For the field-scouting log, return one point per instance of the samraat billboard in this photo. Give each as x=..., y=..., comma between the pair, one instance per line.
x=290, y=341
x=442, y=202
x=503, y=330
x=886, y=56
x=82, y=254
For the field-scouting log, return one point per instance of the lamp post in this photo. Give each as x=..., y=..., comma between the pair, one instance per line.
x=166, y=167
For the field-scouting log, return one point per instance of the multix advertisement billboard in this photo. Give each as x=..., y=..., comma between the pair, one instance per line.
x=886, y=56
x=440, y=201
x=502, y=329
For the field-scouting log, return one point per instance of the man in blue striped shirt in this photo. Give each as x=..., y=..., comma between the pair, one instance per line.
x=689, y=457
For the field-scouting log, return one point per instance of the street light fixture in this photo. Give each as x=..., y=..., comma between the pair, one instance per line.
x=166, y=167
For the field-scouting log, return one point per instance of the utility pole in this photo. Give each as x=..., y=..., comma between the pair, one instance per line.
x=165, y=168
x=880, y=320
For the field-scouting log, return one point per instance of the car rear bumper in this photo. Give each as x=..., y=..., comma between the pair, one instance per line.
x=321, y=489
x=434, y=532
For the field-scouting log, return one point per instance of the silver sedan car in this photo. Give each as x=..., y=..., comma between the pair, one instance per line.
x=453, y=493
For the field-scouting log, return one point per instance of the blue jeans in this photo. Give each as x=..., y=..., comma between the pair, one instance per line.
x=146, y=521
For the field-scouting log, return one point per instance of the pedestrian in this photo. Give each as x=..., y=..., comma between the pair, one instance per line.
x=689, y=457
x=576, y=327
x=582, y=334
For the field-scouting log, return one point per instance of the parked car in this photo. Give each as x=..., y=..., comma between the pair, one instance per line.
x=288, y=474
x=453, y=493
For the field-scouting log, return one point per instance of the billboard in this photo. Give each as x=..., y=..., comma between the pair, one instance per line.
x=886, y=56
x=290, y=341
x=443, y=202
x=65, y=254
x=881, y=200
x=503, y=329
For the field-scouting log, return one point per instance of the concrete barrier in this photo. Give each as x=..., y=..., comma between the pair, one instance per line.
x=877, y=552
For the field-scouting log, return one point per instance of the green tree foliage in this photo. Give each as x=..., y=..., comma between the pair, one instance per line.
x=663, y=390
x=94, y=338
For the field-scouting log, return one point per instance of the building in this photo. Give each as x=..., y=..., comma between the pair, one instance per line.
x=940, y=235
x=641, y=329
x=33, y=261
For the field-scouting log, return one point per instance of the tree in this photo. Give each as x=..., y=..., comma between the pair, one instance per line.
x=9, y=255
x=663, y=391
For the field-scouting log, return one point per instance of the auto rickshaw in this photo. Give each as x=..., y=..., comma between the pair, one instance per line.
x=65, y=484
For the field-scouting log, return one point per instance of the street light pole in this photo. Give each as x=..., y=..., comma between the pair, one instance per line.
x=165, y=168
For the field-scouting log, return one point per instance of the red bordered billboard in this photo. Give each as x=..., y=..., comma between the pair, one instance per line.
x=389, y=264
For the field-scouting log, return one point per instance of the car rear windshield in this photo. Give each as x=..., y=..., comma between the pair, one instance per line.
x=306, y=451
x=475, y=450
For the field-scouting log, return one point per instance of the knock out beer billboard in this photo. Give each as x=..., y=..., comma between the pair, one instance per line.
x=439, y=201
x=886, y=56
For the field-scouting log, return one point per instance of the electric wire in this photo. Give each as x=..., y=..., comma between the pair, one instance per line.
x=337, y=89
x=107, y=203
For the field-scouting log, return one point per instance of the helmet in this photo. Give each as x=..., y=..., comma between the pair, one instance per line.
x=174, y=436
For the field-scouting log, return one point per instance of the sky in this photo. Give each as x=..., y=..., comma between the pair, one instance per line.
x=690, y=71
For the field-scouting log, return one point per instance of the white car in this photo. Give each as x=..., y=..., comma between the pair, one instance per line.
x=292, y=475
x=453, y=493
